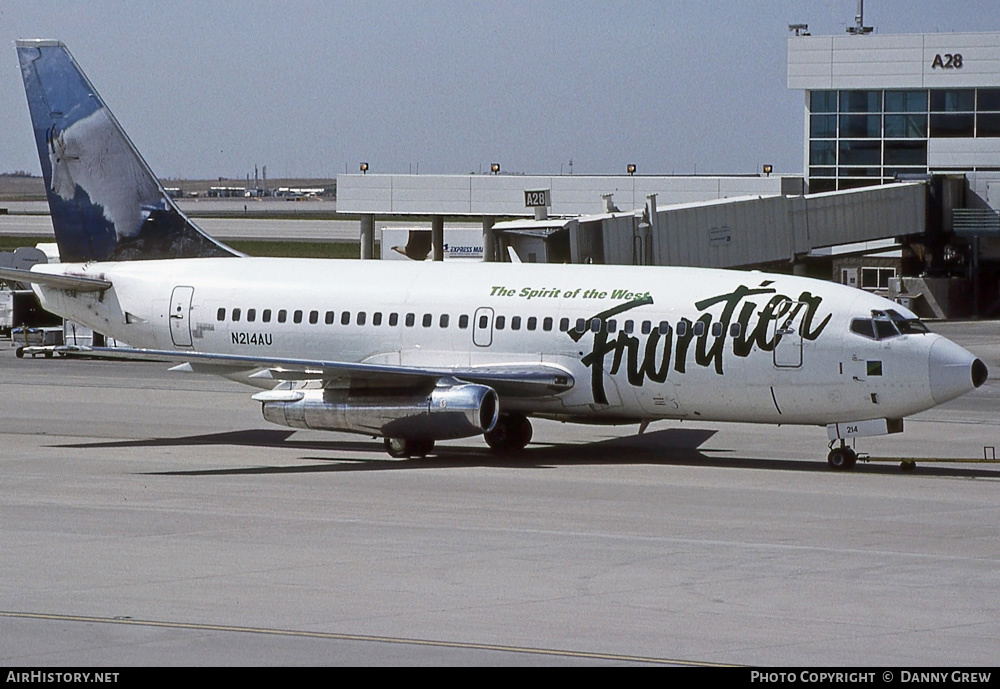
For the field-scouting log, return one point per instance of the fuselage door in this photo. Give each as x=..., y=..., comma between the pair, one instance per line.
x=180, y=316
x=482, y=327
x=786, y=332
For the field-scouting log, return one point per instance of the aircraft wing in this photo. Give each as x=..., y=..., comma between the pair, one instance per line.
x=512, y=380
x=76, y=283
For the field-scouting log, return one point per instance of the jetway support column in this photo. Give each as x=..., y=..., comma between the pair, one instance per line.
x=367, y=236
x=437, y=237
x=489, y=239
x=650, y=237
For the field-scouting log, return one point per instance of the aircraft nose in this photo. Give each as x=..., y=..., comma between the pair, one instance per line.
x=953, y=371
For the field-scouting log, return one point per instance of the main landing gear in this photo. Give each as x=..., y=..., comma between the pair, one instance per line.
x=511, y=433
x=399, y=448
x=841, y=458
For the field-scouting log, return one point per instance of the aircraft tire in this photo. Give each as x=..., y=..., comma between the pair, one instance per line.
x=421, y=448
x=396, y=447
x=512, y=433
x=842, y=459
x=400, y=448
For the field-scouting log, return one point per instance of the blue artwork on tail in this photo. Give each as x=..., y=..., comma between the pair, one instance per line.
x=106, y=204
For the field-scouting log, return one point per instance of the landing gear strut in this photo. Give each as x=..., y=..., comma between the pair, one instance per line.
x=511, y=433
x=406, y=447
x=841, y=458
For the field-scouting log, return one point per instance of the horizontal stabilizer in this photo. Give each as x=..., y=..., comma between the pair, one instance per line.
x=75, y=283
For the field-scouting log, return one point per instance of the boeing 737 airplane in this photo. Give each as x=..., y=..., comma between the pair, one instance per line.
x=415, y=352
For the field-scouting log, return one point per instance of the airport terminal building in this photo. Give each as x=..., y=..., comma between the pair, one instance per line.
x=884, y=108
x=878, y=107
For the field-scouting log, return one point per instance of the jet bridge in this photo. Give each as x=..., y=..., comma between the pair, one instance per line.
x=725, y=233
x=752, y=231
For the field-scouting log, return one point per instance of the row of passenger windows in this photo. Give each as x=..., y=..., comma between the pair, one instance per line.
x=409, y=320
x=329, y=318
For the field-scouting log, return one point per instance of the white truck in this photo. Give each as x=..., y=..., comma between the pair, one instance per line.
x=414, y=243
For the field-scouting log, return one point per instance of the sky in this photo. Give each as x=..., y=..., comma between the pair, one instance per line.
x=311, y=88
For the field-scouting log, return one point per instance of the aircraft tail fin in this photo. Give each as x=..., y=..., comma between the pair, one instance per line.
x=105, y=202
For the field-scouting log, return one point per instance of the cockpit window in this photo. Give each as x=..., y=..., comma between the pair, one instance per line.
x=910, y=326
x=886, y=324
x=863, y=327
x=884, y=329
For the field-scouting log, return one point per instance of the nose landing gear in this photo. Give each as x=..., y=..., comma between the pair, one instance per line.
x=841, y=458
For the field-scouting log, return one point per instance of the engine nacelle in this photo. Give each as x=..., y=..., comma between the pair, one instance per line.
x=446, y=411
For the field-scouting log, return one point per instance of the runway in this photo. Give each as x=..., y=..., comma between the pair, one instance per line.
x=153, y=518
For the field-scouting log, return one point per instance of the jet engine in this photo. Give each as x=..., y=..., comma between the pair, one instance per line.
x=458, y=410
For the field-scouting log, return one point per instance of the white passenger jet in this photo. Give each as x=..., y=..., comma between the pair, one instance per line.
x=424, y=351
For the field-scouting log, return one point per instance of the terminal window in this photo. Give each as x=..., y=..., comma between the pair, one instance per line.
x=861, y=137
x=876, y=278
